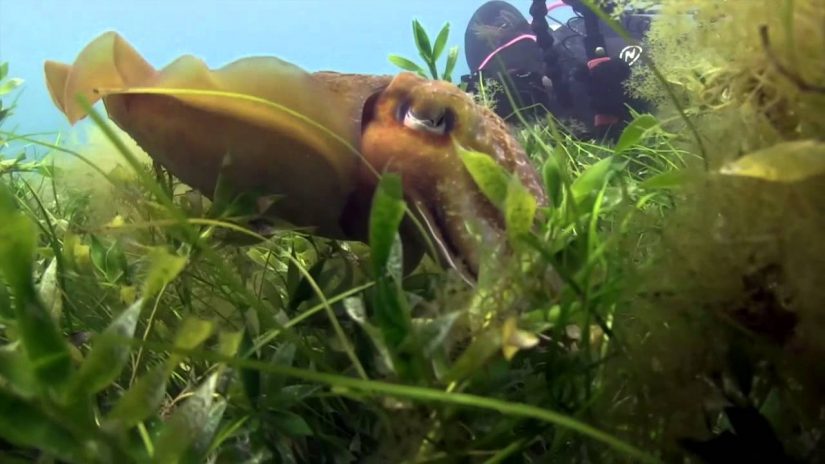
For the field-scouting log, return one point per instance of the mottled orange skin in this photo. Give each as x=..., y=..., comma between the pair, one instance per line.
x=431, y=170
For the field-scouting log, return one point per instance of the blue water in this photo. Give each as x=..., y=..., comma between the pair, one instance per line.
x=340, y=35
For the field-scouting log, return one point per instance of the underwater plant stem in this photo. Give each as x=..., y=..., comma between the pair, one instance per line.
x=333, y=320
x=306, y=315
x=509, y=450
x=149, y=324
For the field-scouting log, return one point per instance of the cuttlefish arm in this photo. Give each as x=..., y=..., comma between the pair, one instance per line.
x=286, y=133
x=412, y=127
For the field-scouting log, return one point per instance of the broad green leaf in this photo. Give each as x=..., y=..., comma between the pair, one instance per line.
x=4, y=70
x=490, y=178
x=16, y=370
x=434, y=332
x=519, y=211
x=205, y=441
x=390, y=308
x=140, y=401
x=283, y=356
x=109, y=354
x=10, y=85
x=483, y=347
x=6, y=310
x=229, y=343
x=18, y=238
x=385, y=218
x=441, y=41
x=49, y=291
x=633, y=133
x=44, y=344
x=391, y=314
x=593, y=178
x=672, y=179
x=25, y=424
x=356, y=311
x=189, y=423
x=250, y=378
x=422, y=41
x=289, y=424
x=163, y=268
x=190, y=335
x=109, y=260
x=407, y=65
x=785, y=162
x=553, y=183
x=452, y=59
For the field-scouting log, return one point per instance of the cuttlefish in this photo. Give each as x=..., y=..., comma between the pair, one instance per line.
x=319, y=141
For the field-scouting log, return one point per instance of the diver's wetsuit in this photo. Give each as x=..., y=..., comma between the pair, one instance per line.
x=500, y=45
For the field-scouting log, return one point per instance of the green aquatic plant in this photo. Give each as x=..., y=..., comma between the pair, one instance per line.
x=739, y=253
x=430, y=52
x=144, y=284
x=748, y=73
x=293, y=339
x=7, y=85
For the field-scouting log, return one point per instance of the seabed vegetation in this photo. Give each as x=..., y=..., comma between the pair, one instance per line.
x=667, y=305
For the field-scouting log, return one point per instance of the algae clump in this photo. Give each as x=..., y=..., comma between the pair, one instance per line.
x=721, y=352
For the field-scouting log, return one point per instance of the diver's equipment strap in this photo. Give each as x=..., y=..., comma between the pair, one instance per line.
x=538, y=10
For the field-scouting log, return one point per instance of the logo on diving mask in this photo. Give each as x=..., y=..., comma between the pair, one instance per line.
x=630, y=54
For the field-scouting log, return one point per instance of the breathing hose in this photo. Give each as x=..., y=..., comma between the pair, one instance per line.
x=540, y=27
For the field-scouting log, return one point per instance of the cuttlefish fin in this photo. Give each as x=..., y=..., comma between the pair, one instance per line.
x=106, y=62
x=56, y=76
x=286, y=133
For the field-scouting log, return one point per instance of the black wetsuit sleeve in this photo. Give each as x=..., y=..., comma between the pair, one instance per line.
x=606, y=87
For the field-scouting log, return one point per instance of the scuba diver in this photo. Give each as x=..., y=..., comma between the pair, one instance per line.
x=576, y=70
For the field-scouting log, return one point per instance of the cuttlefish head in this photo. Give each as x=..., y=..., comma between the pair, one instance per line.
x=415, y=127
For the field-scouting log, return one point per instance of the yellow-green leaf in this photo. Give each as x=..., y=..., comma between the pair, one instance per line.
x=44, y=344
x=513, y=339
x=633, y=133
x=188, y=424
x=520, y=209
x=140, y=401
x=385, y=218
x=784, y=162
x=109, y=354
x=491, y=178
x=163, y=268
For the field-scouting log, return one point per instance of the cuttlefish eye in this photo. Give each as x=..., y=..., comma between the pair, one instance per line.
x=431, y=119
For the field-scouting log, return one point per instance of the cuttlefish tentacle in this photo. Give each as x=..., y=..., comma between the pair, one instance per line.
x=298, y=135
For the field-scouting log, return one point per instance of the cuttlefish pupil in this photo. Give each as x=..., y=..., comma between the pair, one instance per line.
x=431, y=119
